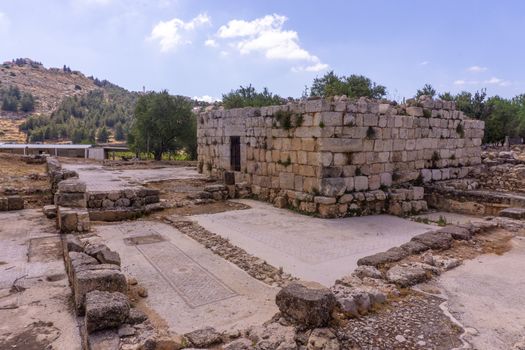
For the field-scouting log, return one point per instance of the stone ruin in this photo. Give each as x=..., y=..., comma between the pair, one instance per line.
x=340, y=157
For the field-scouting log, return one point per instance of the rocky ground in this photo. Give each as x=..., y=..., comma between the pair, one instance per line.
x=503, y=170
x=28, y=180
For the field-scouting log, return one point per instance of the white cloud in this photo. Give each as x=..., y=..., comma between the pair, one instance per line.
x=86, y=3
x=477, y=69
x=211, y=43
x=206, y=98
x=266, y=35
x=173, y=33
x=424, y=63
x=491, y=81
x=4, y=23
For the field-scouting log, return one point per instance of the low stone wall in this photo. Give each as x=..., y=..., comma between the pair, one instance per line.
x=8, y=203
x=57, y=173
x=134, y=198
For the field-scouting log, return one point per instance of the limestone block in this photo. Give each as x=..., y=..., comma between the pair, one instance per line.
x=415, y=111
x=324, y=200
x=105, y=310
x=72, y=200
x=3, y=204
x=286, y=181
x=386, y=179
x=330, y=118
x=340, y=145
x=332, y=187
x=72, y=185
x=15, y=203
x=350, y=183
x=374, y=182
x=329, y=210
x=108, y=280
x=308, y=303
x=346, y=198
x=361, y=183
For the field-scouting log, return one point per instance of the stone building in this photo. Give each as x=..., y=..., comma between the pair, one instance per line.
x=338, y=157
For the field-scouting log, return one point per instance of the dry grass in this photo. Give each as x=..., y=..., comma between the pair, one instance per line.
x=9, y=131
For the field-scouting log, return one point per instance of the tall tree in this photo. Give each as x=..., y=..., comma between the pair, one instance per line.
x=162, y=123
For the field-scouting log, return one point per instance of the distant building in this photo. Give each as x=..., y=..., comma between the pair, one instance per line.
x=63, y=150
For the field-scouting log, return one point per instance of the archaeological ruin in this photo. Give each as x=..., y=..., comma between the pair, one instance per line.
x=339, y=157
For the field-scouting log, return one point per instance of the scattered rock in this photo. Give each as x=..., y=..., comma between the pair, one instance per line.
x=136, y=316
x=458, y=233
x=142, y=291
x=239, y=344
x=50, y=211
x=414, y=247
x=307, y=303
x=406, y=276
x=102, y=340
x=126, y=331
x=391, y=255
x=273, y=336
x=203, y=338
x=323, y=339
x=513, y=213
x=367, y=271
x=434, y=240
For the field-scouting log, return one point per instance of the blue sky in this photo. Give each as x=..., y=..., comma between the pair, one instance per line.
x=206, y=47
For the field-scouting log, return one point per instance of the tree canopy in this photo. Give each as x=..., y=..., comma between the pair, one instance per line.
x=352, y=86
x=249, y=97
x=427, y=90
x=163, y=123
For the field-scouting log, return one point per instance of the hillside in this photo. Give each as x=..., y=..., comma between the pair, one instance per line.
x=64, y=105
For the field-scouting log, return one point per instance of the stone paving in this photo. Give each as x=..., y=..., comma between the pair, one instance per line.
x=100, y=178
x=309, y=248
x=188, y=286
x=34, y=290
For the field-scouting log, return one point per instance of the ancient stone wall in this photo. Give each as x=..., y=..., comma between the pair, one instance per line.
x=331, y=156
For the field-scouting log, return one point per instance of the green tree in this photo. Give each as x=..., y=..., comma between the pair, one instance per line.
x=102, y=134
x=162, y=123
x=427, y=90
x=446, y=96
x=249, y=97
x=10, y=104
x=353, y=86
x=27, y=102
x=120, y=135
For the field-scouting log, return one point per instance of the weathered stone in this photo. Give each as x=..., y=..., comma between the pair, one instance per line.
x=73, y=244
x=3, y=204
x=367, y=271
x=15, y=203
x=415, y=111
x=239, y=344
x=72, y=185
x=71, y=200
x=50, y=211
x=101, y=340
x=104, y=280
x=136, y=316
x=203, y=338
x=273, y=336
x=458, y=233
x=333, y=187
x=391, y=255
x=434, y=240
x=75, y=260
x=105, y=310
x=323, y=339
x=406, y=276
x=414, y=247
x=513, y=213
x=103, y=254
x=307, y=303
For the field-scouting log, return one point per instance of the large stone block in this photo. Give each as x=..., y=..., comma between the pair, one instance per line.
x=15, y=203
x=340, y=145
x=333, y=187
x=72, y=185
x=71, y=200
x=73, y=220
x=307, y=303
x=105, y=310
x=3, y=204
x=108, y=280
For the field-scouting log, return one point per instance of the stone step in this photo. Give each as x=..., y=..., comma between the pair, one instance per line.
x=513, y=213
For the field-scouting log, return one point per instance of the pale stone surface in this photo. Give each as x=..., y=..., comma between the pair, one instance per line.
x=188, y=285
x=309, y=248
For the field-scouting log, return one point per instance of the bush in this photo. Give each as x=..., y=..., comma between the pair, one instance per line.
x=353, y=86
x=249, y=97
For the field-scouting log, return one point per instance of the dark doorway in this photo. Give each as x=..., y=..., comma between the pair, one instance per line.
x=235, y=153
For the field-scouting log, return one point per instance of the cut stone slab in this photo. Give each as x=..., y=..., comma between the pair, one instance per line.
x=203, y=338
x=73, y=244
x=513, y=213
x=104, y=280
x=414, y=247
x=391, y=255
x=307, y=303
x=458, y=233
x=105, y=310
x=103, y=254
x=72, y=185
x=73, y=220
x=75, y=260
x=435, y=240
x=71, y=200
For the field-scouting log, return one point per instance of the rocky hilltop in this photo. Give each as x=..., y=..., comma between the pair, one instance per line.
x=48, y=85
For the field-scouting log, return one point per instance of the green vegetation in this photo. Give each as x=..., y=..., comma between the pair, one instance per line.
x=249, y=97
x=353, y=86
x=427, y=90
x=163, y=123
x=79, y=117
x=13, y=100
